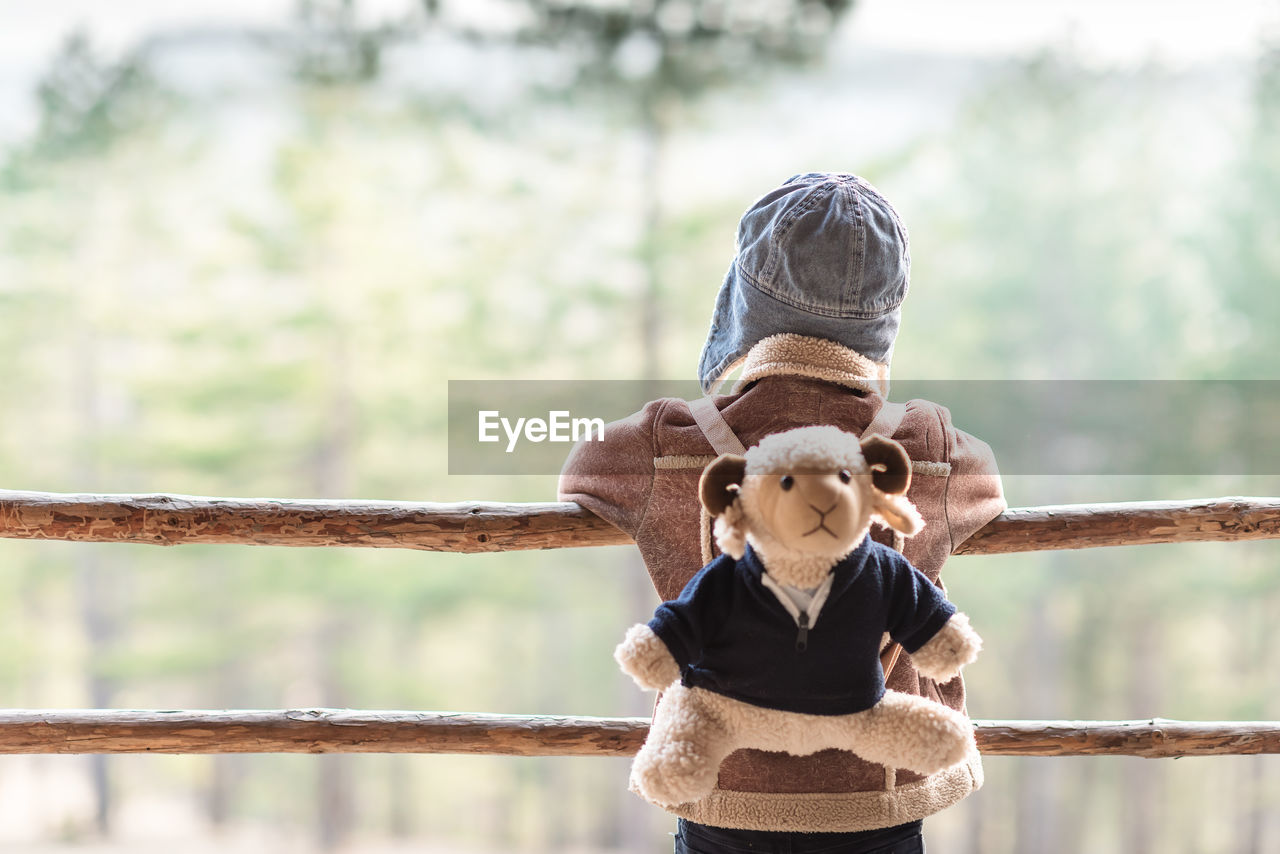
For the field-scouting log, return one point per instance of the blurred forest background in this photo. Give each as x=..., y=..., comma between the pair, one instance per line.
x=244, y=258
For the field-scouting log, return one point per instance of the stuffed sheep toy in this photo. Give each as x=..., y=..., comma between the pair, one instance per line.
x=775, y=644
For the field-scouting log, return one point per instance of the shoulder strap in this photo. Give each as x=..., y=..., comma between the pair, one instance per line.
x=712, y=424
x=887, y=420
x=723, y=441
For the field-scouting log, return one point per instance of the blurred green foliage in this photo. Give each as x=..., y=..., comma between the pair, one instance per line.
x=196, y=301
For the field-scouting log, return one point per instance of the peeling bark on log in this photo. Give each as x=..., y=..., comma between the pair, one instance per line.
x=314, y=731
x=170, y=520
x=1082, y=526
x=1153, y=739
x=346, y=731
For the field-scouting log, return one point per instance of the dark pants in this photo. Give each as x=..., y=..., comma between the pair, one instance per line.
x=700, y=839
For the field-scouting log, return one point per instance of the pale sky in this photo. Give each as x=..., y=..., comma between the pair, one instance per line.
x=1121, y=30
x=1111, y=31
x=1124, y=32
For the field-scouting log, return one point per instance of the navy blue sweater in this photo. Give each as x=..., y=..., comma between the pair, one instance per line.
x=730, y=634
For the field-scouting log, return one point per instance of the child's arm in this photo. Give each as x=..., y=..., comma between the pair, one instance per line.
x=975, y=494
x=613, y=477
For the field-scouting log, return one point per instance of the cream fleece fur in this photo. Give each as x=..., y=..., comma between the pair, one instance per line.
x=695, y=729
x=801, y=355
x=837, y=812
x=954, y=646
x=644, y=657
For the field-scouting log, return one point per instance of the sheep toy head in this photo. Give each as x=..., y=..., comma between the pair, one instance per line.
x=808, y=493
x=775, y=644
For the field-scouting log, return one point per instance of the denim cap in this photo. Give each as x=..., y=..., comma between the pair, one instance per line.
x=824, y=255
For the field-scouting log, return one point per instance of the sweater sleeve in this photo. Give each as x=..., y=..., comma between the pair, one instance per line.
x=685, y=623
x=917, y=609
x=975, y=494
x=613, y=477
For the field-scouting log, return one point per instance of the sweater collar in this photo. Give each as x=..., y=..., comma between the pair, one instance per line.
x=853, y=560
x=791, y=354
x=751, y=562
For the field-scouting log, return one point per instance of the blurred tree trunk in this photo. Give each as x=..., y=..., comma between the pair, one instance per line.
x=93, y=588
x=226, y=769
x=100, y=632
x=1255, y=798
x=218, y=793
x=1090, y=654
x=330, y=477
x=1038, y=802
x=1141, y=783
x=629, y=826
x=401, y=807
x=334, y=773
x=975, y=826
x=400, y=822
x=1252, y=806
x=653, y=135
x=552, y=780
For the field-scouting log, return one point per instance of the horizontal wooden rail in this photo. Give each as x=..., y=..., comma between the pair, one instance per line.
x=314, y=731
x=346, y=731
x=1150, y=739
x=170, y=520
x=1126, y=523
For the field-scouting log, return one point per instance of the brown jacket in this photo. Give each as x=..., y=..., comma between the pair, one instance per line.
x=643, y=478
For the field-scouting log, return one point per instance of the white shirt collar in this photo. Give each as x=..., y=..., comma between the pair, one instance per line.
x=815, y=604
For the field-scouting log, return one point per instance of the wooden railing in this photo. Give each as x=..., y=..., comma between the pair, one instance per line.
x=486, y=527
x=478, y=526
x=347, y=731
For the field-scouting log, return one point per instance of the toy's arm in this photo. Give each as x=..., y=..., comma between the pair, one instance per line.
x=645, y=658
x=955, y=645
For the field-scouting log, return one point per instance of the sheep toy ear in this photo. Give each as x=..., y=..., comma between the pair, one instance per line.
x=718, y=487
x=891, y=476
x=890, y=465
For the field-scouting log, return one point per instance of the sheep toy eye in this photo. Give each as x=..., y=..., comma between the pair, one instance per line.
x=787, y=482
x=845, y=476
